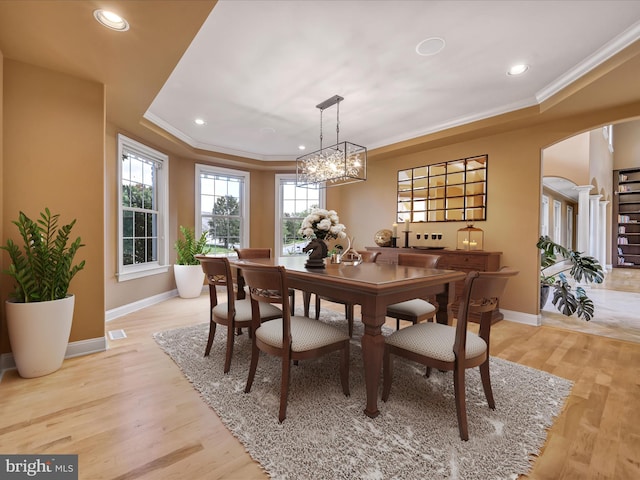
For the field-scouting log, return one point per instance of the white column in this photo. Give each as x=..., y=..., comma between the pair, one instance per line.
x=594, y=225
x=602, y=257
x=582, y=239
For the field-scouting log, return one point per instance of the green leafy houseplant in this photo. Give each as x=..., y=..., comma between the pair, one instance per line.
x=555, y=260
x=188, y=247
x=43, y=268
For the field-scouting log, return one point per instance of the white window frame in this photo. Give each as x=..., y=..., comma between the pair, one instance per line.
x=245, y=222
x=130, y=272
x=279, y=210
x=544, y=216
x=557, y=222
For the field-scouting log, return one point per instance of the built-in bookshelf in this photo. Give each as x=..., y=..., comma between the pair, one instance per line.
x=626, y=211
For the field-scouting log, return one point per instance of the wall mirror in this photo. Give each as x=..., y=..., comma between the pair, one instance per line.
x=452, y=191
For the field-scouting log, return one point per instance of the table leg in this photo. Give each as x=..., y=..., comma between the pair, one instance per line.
x=445, y=300
x=372, y=353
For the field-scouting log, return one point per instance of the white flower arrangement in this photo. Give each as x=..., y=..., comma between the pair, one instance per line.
x=322, y=224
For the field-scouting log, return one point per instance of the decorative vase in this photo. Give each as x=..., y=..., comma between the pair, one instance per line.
x=39, y=334
x=544, y=295
x=319, y=250
x=189, y=280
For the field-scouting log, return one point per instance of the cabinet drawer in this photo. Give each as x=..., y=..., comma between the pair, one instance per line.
x=466, y=263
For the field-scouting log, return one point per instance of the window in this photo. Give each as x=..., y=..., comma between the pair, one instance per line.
x=292, y=205
x=142, y=210
x=544, y=216
x=222, y=208
x=557, y=222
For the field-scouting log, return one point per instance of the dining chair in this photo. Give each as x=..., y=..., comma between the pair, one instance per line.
x=417, y=309
x=366, y=256
x=290, y=337
x=234, y=314
x=260, y=252
x=447, y=347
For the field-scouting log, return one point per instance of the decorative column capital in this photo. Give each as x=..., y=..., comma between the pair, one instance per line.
x=583, y=188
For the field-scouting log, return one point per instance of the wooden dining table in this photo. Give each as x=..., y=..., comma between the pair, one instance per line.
x=372, y=286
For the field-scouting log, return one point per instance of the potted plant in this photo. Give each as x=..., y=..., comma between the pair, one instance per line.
x=555, y=260
x=187, y=270
x=40, y=311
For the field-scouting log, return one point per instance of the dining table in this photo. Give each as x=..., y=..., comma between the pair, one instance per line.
x=373, y=286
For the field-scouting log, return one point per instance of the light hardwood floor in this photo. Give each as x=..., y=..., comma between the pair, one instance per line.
x=130, y=414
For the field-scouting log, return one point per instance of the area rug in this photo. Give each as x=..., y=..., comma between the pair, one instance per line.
x=327, y=436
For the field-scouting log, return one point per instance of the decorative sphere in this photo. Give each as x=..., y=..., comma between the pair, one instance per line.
x=383, y=237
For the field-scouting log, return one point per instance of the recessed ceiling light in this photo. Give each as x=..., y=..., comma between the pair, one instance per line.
x=430, y=46
x=199, y=121
x=111, y=20
x=518, y=69
x=301, y=147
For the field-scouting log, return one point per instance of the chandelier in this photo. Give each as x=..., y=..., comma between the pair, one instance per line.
x=338, y=164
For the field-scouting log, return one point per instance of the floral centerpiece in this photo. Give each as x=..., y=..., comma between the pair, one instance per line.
x=320, y=225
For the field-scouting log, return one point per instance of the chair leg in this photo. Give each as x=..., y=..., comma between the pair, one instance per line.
x=227, y=359
x=486, y=384
x=317, y=306
x=344, y=370
x=284, y=387
x=349, y=314
x=255, y=354
x=387, y=374
x=292, y=301
x=397, y=324
x=212, y=333
x=428, y=372
x=461, y=405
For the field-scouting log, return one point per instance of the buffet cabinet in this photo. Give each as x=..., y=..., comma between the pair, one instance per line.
x=462, y=260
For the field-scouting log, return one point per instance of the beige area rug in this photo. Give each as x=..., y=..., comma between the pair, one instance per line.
x=327, y=436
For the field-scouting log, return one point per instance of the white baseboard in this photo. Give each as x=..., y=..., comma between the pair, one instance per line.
x=139, y=305
x=74, y=349
x=520, y=317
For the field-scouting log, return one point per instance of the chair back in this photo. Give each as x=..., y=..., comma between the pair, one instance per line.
x=268, y=284
x=481, y=294
x=244, y=253
x=426, y=260
x=217, y=272
x=368, y=256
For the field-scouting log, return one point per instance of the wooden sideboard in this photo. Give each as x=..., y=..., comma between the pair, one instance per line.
x=463, y=260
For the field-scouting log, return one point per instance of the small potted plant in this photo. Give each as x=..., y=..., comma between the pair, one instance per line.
x=187, y=270
x=40, y=312
x=555, y=260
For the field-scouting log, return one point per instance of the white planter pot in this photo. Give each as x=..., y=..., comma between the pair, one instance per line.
x=39, y=334
x=189, y=280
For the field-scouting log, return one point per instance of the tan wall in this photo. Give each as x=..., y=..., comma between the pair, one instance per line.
x=626, y=145
x=53, y=156
x=569, y=159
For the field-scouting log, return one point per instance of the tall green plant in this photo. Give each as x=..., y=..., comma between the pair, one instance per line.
x=43, y=268
x=188, y=247
x=555, y=260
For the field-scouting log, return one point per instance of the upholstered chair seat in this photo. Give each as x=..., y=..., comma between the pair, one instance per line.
x=306, y=334
x=435, y=340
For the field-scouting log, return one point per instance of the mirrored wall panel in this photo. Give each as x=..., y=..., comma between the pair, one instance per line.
x=452, y=191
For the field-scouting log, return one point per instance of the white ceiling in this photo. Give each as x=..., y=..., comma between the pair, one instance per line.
x=257, y=69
